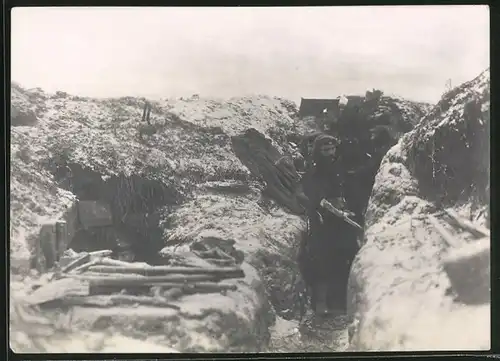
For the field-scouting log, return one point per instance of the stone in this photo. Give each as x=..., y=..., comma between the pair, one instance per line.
x=20, y=117
x=61, y=237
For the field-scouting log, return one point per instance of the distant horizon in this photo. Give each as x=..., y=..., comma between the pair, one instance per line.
x=285, y=52
x=207, y=96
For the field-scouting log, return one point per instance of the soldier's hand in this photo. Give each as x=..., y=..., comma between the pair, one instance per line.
x=337, y=202
x=349, y=213
x=320, y=218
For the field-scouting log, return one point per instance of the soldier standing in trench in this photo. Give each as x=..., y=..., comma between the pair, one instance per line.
x=331, y=242
x=361, y=150
x=306, y=148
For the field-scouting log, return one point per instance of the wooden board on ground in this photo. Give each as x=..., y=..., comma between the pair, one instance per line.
x=58, y=289
x=115, y=300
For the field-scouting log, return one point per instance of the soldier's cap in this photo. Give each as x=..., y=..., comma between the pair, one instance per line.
x=325, y=139
x=321, y=141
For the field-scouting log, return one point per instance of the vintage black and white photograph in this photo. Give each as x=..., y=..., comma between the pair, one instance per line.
x=249, y=179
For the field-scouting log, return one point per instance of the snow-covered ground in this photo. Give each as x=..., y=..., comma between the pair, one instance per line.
x=186, y=144
x=400, y=294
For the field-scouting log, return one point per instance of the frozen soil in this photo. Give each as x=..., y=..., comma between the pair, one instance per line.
x=400, y=296
x=186, y=147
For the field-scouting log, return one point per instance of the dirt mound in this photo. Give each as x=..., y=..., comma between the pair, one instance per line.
x=174, y=184
x=442, y=164
x=187, y=143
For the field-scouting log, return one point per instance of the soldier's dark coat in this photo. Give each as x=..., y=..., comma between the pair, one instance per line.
x=331, y=244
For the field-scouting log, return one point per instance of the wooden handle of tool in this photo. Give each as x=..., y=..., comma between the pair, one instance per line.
x=324, y=203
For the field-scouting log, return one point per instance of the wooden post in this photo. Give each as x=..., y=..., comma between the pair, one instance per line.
x=148, y=107
x=72, y=223
x=61, y=238
x=47, y=251
x=144, y=111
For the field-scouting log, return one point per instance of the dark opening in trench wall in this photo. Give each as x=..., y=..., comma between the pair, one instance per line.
x=134, y=206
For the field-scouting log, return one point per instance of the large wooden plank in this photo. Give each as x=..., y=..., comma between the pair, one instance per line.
x=58, y=289
x=137, y=280
x=46, y=252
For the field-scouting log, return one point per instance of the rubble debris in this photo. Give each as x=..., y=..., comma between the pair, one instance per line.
x=93, y=279
x=58, y=289
x=86, y=266
x=170, y=294
x=86, y=258
x=116, y=300
x=218, y=251
x=467, y=264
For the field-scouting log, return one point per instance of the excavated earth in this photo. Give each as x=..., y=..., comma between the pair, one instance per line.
x=177, y=186
x=400, y=295
x=173, y=184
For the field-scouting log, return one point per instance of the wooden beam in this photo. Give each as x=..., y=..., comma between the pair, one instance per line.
x=447, y=236
x=476, y=230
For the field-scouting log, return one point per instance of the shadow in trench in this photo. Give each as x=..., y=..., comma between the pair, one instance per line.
x=121, y=213
x=331, y=244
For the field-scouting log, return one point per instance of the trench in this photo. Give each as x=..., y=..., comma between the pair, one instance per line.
x=134, y=233
x=297, y=329
x=135, y=205
x=451, y=165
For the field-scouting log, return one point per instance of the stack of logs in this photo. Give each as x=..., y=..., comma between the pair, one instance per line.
x=95, y=280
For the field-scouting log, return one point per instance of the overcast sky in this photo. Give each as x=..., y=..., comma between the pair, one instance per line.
x=291, y=52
